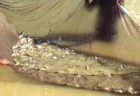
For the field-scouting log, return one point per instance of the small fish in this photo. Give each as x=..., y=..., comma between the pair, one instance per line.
x=28, y=36
x=48, y=42
x=37, y=40
x=58, y=42
x=21, y=34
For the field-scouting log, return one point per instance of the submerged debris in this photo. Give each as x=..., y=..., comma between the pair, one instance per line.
x=63, y=66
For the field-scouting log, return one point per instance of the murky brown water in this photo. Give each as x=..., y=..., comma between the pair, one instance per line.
x=133, y=7
x=13, y=84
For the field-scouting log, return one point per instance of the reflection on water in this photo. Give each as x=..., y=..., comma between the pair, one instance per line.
x=13, y=84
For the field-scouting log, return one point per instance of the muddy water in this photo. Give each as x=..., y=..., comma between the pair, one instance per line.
x=13, y=84
x=133, y=7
